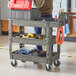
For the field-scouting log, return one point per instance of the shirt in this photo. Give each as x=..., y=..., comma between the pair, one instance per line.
x=46, y=6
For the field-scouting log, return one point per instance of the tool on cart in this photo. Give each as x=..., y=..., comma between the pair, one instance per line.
x=31, y=35
x=60, y=36
x=20, y=4
x=0, y=45
x=32, y=52
x=39, y=37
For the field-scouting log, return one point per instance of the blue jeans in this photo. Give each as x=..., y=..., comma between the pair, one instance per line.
x=38, y=30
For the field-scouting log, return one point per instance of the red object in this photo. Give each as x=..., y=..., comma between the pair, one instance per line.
x=20, y=4
x=56, y=17
x=60, y=33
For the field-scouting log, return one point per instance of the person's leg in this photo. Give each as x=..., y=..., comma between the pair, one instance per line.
x=52, y=45
x=48, y=16
x=38, y=31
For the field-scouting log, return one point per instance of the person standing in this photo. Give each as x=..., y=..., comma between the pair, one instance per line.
x=45, y=9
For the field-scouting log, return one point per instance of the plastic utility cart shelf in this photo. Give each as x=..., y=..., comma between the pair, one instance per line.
x=48, y=42
x=32, y=41
x=22, y=57
x=34, y=23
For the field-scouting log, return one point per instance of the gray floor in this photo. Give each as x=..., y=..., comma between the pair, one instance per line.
x=67, y=67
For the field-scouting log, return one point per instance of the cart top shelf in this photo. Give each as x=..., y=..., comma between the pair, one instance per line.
x=32, y=23
x=42, y=22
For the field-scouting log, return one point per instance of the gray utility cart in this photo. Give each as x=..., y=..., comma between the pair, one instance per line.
x=32, y=20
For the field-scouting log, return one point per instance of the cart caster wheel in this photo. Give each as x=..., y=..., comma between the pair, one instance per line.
x=57, y=63
x=36, y=63
x=14, y=63
x=48, y=67
x=23, y=61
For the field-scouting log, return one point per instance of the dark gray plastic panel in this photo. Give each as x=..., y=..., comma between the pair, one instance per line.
x=32, y=14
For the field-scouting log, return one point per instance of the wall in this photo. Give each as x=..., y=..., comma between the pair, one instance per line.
x=0, y=17
x=57, y=7
x=4, y=10
x=73, y=9
x=74, y=25
x=5, y=15
x=0, y=9
x=73, y=6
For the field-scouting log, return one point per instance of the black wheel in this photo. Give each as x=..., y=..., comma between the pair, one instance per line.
x=48, y=67
x=23, y=61
x=36, y=63
x=14, y=63
x=57, y=63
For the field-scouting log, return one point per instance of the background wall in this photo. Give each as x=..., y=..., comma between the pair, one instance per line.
x=73, y=9
x=5, y=15
x=4, y=10
x=0, y=9
x=56, y=6
x=73, y=6
x=0, y=17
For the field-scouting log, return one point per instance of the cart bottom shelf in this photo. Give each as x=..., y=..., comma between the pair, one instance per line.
x=34, y=57
x=36, y=53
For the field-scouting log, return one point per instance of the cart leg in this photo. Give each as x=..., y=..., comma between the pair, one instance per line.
x=21, y=44
x=21, y=32
x=58, y=50
x=10, y=38
x=49, y=52
x=57, y=62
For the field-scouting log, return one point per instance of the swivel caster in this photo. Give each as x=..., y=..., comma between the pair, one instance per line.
x=48, y=68
x=36, y=63
x=57, y=63
x=23, y=61
x=14, y=63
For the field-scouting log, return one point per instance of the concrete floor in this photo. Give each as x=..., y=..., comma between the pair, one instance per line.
x=67, y=67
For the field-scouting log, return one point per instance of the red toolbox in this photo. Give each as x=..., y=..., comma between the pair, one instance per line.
x=20, y=4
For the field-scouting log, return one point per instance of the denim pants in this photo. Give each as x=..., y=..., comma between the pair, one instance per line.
x=38, y=30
